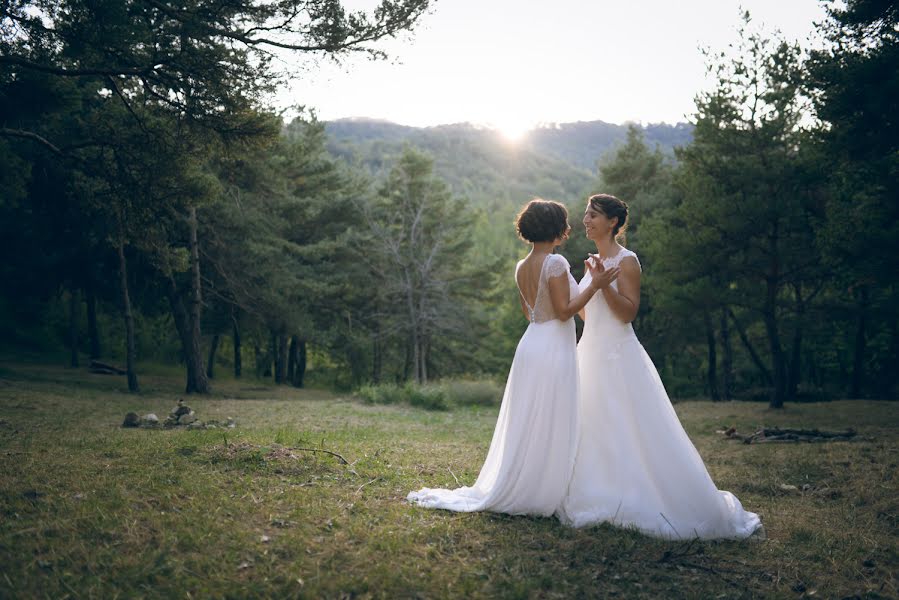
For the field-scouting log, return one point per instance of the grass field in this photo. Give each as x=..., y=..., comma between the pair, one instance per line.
x=91, y=510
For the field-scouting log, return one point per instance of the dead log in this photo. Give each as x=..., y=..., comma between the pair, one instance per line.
x=105, y=369
x=776, y=434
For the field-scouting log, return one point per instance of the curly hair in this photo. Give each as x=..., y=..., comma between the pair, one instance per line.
x=541, y=221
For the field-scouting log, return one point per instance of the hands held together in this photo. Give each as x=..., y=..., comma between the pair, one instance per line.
x=600, y=276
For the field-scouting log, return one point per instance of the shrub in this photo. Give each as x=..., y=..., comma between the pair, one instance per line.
x=473, y=392
x=428, y=397
x=385, y=393
x=434, y=396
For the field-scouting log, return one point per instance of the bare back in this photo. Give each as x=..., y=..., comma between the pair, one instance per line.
x=531, y=276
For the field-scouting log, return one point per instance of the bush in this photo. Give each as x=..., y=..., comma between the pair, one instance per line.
x=385, y=393
x=433, y=396
x=473, y=393
x=428, y=397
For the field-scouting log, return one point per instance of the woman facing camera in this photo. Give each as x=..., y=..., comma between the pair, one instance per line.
x=531, y=455
x=635, y=465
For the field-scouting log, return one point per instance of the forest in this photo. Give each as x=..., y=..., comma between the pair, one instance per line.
x=325, y=309
x=156, y=209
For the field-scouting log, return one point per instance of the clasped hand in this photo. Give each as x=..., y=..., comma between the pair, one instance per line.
x=600, y=277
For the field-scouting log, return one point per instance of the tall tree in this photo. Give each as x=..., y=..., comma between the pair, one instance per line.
x=855, y=86
x=639, y=175
x=187, y=78
x=280, y=245
x=749, y=203
x=419, y=243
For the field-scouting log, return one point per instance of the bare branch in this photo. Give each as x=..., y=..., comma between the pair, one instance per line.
x=30, y=135
x=66, y=72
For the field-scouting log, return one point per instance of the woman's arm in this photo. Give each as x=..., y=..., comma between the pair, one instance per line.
x=560, y=292
x=625, y=302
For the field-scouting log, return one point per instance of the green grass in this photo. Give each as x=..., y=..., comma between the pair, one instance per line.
x=91, y=510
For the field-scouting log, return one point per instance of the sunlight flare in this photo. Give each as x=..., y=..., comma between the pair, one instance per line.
x=513, y=130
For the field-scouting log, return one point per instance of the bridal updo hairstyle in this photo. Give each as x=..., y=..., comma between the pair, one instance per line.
x=541, y=221
x=611, y=207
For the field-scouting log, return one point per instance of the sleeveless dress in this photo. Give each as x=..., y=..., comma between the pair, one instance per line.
x=532, y=452
x=635, y=465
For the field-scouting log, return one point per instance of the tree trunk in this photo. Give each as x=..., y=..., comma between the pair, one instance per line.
x=179, y=316
x=416, y=357
x=424, y=360
x=238, y=367
x=301, y=365
x=93, y=333
x=279, y=346
x=772, y=287
x=377, y=363
x=291, y=359
x=421, y=336
x=407, y=363
x=887, y=379
x=412, y=348
x=73, y=328
x=275, y=356
x=712, y=373
x=130, y=348
x=210, y=364
x=183, y=325
x=263, y=361
x=795, y=372
x=299, y=373
x=727, y=359
x=282, y=358
x=778, y=362
x=756, y=359
x=197, y=381
x=858, y=356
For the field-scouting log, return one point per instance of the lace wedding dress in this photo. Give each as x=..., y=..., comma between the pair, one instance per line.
x=635, y=465
x=532, y=452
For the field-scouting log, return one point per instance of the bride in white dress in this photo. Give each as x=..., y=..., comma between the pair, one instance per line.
x=532, y=452
x=635, y=465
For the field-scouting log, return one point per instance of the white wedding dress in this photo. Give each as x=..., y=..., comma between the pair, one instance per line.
x=532, y=452
x=635, y=465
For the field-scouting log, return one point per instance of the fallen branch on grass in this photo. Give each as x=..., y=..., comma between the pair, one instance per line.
x=776, y=434
x=359, y=489
x=105, y=369
x=342, y=459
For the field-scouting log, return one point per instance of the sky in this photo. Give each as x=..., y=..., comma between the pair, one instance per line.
x=512, y=64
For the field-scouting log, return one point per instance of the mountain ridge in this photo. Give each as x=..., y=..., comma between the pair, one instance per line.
x=496, y=175
x=581, y=144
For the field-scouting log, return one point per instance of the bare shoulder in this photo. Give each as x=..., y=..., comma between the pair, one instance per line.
x=630, y=264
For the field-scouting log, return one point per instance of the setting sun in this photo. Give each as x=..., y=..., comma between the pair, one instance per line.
x=513, y=130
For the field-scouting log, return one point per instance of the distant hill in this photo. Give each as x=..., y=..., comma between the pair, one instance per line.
x=580, y=144
x=584, y=143
x=555, y=161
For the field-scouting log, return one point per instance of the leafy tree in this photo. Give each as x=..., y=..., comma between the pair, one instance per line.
x=420, y=244
x=280, y=246
x=158, y=87
x=640, y=176
x=855, y=86
x=743, y=234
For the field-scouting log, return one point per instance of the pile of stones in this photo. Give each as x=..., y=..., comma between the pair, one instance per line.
x=181, y=416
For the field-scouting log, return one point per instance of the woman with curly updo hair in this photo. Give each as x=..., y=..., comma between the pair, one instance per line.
x=532, y=452
x=635, y=465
